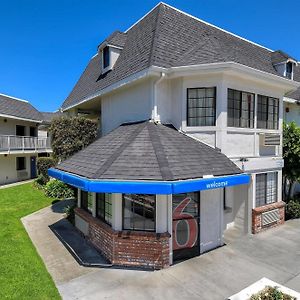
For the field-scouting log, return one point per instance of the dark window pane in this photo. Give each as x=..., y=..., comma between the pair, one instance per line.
x=201, y=107
x=267, y=112
x=266, y=188
x=87, y=201
x=21, y=163
x=106, y=57
x=20, y=130
x=104, y=207
x=139, y=212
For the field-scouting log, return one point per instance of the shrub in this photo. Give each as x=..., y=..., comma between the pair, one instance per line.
x=292, y=209
x=43, y=164
x=40, y=181
x=58, y=190
x=271, y=293
x=70, y=135
x=69, y=211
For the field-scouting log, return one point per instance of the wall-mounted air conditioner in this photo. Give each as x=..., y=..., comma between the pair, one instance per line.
x=268, y=139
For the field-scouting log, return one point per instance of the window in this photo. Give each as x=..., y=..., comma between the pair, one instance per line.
x=267, y=112
x=20, y=130
x=106, y=60
x=21, y=163
x=32, y=131
x=87, y=201
x=240, y=109
x=104, y=207
x=289, y=70
x=201, y=107
x=266, y=188
x=139, y=212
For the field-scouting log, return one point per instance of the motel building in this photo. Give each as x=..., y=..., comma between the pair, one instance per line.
x=190, y=153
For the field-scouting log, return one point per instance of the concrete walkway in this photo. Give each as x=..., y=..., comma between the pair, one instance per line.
x=6, y=186
x=274, y=254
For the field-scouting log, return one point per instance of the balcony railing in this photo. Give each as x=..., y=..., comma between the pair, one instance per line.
x=12, y=143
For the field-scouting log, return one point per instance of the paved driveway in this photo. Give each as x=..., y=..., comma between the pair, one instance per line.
x=274, y=254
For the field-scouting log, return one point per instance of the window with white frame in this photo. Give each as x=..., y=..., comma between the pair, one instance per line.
x=266, y=188
x=201, y=106
x=267, y=112
x=240, y=112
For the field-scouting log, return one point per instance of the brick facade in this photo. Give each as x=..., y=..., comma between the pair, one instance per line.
x=127, y=248
x=257, y=216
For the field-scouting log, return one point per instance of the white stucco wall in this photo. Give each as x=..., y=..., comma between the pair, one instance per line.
x=293, y=113
x=126, y=105
x=9, y=127
x=8, y=172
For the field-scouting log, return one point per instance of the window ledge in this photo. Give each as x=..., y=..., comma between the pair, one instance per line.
x=265, y=208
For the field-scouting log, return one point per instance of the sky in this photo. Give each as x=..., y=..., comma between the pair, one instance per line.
x=45, y=45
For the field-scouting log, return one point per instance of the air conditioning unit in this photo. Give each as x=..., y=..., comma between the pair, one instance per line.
x=22, y=175
x=270, y=217
x=270, y=139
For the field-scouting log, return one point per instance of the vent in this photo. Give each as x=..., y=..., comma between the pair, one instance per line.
x=22, y=175
x=271, y=139
x=270, y=217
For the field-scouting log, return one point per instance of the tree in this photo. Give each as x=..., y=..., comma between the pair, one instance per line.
x=291, y=155
x=70, y=135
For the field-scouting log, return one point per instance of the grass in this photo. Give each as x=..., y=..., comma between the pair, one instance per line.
x=23, y=274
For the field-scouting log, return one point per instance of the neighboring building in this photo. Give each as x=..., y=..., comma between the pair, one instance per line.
x=47, y=119
x=19, y=141
x=209, y=159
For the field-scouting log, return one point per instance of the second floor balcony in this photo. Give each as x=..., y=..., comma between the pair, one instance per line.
x=17, y=144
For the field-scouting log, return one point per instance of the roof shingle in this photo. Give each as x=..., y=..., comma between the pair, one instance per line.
x=148, y=151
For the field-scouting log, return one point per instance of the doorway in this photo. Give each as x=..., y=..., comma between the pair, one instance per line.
x=186, y=225
x=32, y=167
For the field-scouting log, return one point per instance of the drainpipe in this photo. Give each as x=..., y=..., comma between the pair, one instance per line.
x=155, y=116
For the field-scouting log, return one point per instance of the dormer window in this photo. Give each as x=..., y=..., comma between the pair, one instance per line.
x=106, y=57
x=289, y=70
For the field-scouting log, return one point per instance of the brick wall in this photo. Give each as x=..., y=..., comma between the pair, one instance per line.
x=257, y=216
x=128, y=248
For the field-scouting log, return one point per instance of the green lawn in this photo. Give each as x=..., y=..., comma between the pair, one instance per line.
x=23, y=274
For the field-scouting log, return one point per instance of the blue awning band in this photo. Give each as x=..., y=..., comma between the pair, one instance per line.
x=149, y=187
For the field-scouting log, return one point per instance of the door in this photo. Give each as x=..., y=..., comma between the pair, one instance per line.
x=185, y=231
x=211, y=219
x=33, y=166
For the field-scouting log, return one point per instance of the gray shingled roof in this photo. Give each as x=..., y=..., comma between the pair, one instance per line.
x=16, y=108
x=280, y=57
x=117, y=38
x=296, y=94
x=49, y=116
x=146, y=151
x=167, y=37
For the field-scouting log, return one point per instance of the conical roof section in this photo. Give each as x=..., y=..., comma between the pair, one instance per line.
x=148, y=151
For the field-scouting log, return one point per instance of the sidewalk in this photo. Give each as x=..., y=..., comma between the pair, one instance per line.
x=6, y=186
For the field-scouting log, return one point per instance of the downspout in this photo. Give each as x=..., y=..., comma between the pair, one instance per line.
x=155, y=117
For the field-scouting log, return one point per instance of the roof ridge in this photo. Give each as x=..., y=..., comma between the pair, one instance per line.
x=14, y=98
x=159, y=151
x=155, y=37
x=215, y=26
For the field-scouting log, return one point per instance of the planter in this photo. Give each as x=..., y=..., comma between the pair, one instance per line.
x=258, y=286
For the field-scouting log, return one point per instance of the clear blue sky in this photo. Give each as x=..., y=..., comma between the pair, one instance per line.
x=46, y=44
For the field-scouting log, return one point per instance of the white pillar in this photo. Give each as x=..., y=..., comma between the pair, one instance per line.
x=170, y=226
x=161, y=213
x=117, y=214
x=279, y=184
x=78, y=197
x=94, y=208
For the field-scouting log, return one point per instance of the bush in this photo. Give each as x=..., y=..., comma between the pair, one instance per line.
x=40, y=181
x=69, y=211
x=70, y=135
x=43, y=164
x=58, y=190
x=271, y=293
x=292, y=209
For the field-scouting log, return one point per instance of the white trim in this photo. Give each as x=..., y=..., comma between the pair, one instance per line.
x=189, y=70
x=200, y=20
x=18, y=118
x=22, y=100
